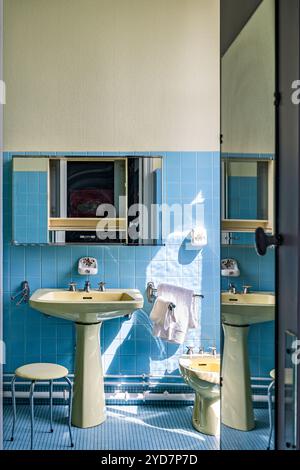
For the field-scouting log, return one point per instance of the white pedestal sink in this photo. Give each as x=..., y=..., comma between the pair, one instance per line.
x=239, y=311
x=88, y=310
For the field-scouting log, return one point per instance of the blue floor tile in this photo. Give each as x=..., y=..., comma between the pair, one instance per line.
x=158, y=427
x=253, y=440
x=129, y=427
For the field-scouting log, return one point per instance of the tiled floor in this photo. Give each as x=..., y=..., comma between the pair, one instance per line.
x=253, y=440
x=151, y=427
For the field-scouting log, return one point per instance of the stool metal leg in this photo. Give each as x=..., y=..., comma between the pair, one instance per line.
x=51, y=404
x=270, y=389
x=70, y=408
x=31, y=398
x=13, y=396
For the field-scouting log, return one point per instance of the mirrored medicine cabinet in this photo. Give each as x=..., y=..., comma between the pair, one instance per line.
x=247, y=197
x=90, y=200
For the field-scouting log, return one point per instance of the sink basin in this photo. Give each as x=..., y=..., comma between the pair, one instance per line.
x=86, y=307
x=87, y=310
x=247, y=309
x=205, y=368
x=239, y=312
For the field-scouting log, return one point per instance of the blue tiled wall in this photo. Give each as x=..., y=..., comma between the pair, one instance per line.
x=30, y=206
x=128, y=346
x=242, y=195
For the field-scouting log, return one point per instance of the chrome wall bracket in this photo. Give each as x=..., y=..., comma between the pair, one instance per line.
x=24, y=294
x=151, y=292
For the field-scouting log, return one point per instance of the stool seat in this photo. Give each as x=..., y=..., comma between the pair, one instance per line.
x=41, y=371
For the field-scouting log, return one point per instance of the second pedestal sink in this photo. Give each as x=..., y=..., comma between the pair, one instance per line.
x=239, y=311
x=88, y=310
x=253, y=308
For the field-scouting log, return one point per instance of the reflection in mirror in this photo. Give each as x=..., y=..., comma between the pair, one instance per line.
x=106, y=200
x=78, y=189
x=247, y=193
x=246, y=189
x=248, y=153
x=101, y=200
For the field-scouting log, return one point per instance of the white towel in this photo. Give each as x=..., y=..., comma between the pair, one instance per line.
x=160, y=311
x=184, y=299
x=172, y=324
x=165, y=324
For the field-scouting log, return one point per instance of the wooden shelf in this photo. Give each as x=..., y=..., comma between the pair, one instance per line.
x=245, y=226
x=87, y=224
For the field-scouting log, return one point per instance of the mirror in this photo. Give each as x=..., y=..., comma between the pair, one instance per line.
x=246, y=190
x=247, y=194
x=248, y=181
x=70, y=200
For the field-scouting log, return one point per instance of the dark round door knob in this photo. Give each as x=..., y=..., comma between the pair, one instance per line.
x=263, y=241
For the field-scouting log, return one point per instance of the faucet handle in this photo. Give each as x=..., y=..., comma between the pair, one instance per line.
x=190, y=350
x=87, y=286
x=201, y=350
x=213, y=350
x=232, y=288
x=246, y=289
x=72, y=286
x=102, y=286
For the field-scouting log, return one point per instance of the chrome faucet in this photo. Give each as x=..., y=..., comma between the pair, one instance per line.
x=72, y=286
x=232, y=289
x=87, y=286
x=213, y=350
x=246, y=289
x=102, y=286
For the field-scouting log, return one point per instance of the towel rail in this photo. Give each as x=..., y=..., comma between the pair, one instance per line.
x=152, y=293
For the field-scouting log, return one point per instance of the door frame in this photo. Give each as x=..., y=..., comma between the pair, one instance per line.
x=287, y=200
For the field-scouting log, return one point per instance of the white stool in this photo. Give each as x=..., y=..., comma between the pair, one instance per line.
x=41, y=372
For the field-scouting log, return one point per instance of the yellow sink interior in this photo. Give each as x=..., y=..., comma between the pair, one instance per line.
x=248, y=299
x=247, y=309
x=93, y=296
x=205, y=364
x=87, y=307
x=206, y=368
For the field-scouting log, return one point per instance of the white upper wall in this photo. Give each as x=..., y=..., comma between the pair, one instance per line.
x=111, y=75
x=248, y=86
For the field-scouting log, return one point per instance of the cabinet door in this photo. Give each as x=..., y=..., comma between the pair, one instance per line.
x=248, y=196
x=30, y=200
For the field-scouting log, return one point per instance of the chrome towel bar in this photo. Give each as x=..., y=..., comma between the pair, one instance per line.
x=152, y=293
